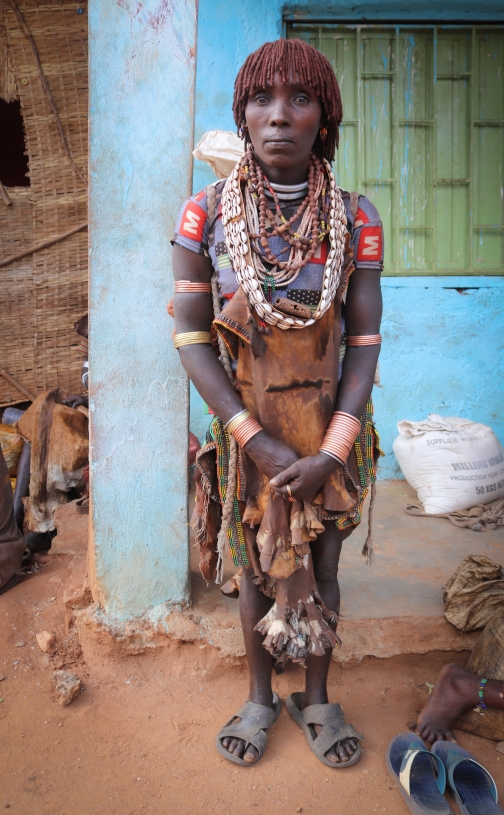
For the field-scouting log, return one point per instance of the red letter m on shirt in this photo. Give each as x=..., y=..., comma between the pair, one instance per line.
x=193, y=222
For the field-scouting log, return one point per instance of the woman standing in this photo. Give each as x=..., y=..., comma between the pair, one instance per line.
x=295, y=263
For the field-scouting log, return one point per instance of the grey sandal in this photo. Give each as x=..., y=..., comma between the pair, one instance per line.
x=256, y=720
x=335, y=730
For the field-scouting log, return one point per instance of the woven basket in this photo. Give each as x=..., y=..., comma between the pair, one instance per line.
x=42, y=295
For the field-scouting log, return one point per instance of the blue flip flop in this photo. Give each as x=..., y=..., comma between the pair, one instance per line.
x=419, y=774
x=473, y=787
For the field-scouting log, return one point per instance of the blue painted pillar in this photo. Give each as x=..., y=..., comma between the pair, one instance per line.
x=142, y=70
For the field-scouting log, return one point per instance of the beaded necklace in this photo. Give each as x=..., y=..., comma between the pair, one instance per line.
x=244, y=215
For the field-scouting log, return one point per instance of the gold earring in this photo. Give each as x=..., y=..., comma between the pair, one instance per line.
x=323, y=133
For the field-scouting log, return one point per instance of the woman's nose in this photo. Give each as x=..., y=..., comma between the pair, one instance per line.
x=279, y=114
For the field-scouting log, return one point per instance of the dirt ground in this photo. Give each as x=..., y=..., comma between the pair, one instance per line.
x=140, y=737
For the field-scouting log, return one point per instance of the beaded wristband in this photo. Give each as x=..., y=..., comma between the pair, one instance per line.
x=481, y=691
x=188, y=287
x=365, y=339
x=236, y=420
x=340, y=435
x=192, y=338
x=246, y=430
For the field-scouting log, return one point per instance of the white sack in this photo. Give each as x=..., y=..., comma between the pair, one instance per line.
x=220, y=149
x=452, y=463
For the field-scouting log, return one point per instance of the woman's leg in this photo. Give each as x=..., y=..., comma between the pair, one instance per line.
x=253, y=606
x=326, y=552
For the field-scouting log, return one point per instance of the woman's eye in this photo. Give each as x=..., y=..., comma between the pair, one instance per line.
x=302, y=98
x=261, y=99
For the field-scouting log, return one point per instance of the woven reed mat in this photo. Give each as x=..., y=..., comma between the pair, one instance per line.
x=42, y=295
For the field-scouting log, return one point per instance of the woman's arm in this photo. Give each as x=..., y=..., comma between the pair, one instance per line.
x=194, y=312
x=363, y=316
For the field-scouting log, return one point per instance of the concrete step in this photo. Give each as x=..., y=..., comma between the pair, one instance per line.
x=390, y=607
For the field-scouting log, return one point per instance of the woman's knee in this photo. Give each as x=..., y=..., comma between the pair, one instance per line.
x=326, y=551
x=326, y=574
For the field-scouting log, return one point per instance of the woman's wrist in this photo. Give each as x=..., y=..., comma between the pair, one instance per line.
x=254, y=444
x=329, y=457
x=340, y=435
x=243, y=427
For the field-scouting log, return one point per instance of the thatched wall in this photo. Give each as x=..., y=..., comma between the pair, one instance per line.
x=42, y=295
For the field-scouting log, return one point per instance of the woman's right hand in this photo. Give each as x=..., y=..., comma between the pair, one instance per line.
x=271, y=456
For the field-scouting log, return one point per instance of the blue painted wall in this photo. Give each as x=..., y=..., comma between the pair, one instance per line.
x=443, y=350
x=141, y=136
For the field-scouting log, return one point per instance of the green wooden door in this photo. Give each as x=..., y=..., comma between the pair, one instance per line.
x=423, y=138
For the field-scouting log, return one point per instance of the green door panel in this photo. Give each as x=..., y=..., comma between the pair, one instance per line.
x=423, y=138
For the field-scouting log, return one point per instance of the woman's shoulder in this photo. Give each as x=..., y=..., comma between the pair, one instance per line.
x=360, y=210
x=366, y=229
x=191, y=230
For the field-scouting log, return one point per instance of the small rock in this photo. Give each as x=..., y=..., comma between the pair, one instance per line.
x=2, y=677
x=51, y=599
x=66, y=686
x=500, y=747
x=20, y=644
x=299, y=809
x=45, y=639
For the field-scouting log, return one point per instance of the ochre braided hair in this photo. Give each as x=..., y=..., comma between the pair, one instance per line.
x=293, y=58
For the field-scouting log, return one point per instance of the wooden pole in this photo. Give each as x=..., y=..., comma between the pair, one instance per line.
x=21, y=388
x=42, y=245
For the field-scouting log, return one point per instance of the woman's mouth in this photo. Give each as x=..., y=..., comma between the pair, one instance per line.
x=280, y=141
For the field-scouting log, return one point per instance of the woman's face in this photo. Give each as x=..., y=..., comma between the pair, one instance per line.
x=283, y=122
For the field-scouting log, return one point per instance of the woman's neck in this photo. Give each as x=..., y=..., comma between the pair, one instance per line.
x=286, y=176
x=287, y=192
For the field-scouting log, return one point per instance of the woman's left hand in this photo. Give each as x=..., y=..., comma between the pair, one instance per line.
x=305, y=477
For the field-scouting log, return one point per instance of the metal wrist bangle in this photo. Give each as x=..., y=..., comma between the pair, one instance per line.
x=326, y=452
x=331, y=455
x=240, y=412
x=246, y=430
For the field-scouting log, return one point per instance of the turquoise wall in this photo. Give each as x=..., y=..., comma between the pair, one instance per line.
x=142, y=70
x=443, y=336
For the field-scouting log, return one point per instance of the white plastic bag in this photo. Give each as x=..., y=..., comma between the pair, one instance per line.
x=452, y=463
x=220, y=149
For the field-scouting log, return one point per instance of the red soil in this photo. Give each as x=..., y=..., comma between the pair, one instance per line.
x=140, y=737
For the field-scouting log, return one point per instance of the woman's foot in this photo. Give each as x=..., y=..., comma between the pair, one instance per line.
x=346, y=748
x=238, y=747
x=455, y=691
